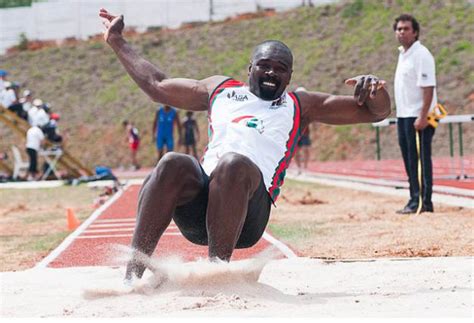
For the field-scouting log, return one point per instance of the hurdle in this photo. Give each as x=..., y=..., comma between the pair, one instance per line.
x=450, y=120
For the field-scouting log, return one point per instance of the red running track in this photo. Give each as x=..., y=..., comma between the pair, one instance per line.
x=445, y=170
x=94, y=245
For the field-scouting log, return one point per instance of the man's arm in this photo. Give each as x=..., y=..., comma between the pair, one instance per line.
x=370, y=103
x=179, y=92
x=422, y=121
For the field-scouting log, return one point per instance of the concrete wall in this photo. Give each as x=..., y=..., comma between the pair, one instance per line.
x=59, y=19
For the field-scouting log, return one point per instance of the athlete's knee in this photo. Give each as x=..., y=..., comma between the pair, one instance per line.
x=171, y=166
x=237, y=169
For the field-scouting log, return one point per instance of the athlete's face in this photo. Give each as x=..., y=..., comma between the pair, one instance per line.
x=269, y=72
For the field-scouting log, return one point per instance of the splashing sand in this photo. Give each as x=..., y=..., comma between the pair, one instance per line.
x=168, y=274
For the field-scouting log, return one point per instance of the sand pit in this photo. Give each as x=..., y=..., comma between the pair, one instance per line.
x=300, y=287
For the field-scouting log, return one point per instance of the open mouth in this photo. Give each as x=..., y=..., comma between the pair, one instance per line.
x=269, y=84
x=269, y=89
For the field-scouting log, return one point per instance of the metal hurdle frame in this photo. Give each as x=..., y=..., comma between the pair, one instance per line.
x=450, y=120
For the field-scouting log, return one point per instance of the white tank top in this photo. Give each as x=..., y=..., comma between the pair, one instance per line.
x=264, y=131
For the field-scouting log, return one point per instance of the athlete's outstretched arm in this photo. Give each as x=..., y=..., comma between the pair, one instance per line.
x=370, y=103
x=179, y=92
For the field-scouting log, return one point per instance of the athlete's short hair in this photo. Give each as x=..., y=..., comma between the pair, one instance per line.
x=275, y=44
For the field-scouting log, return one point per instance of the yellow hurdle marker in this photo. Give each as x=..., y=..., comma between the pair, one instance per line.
x=420, y=200
x=437, y=114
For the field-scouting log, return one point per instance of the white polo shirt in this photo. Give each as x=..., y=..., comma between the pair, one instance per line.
x=415, y=69
x=34, y=136
x=8, y=97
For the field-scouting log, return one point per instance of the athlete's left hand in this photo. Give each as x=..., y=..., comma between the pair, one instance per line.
x=366, y=87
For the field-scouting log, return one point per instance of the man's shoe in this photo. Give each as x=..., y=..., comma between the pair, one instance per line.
x=427, y=209
x=406, y=210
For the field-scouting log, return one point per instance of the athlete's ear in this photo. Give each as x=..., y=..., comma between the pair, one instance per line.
x=291, y=74
x=250, y=68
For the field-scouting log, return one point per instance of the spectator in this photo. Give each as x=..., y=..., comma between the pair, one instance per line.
x=3, y=79
x=51, y=129
x=37, y=116
x=10, y=98
x=415, y=97
x=302, y=152
x=163, y=127
x=191, y=133
x=34, y=140
x=133, y=139
x=27, y=103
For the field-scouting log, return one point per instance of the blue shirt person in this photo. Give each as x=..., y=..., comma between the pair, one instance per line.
x=163, y=128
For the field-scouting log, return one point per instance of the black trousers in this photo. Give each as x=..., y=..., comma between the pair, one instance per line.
x=190, y=218
x=33, y=155
x=407, y=142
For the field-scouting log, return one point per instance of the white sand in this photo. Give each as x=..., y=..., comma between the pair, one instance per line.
x=302, y=287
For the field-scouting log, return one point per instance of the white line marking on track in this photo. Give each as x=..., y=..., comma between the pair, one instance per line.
x=116, y=225
x=121, y=235
x=117, y=230
x=280, y=245
x=115, y=220
x=108, y=230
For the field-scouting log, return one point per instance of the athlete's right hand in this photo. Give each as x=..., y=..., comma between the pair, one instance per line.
x=113, y=24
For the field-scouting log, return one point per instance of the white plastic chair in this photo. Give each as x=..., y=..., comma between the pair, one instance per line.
x=18, y=163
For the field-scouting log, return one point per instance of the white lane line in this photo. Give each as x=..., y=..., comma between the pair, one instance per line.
x=115, y=220
x=108, y=230
x=70, y=238
x=118, y=230
x=280, y=245
x=121, y=235
x=118, y=225
x=112, y=225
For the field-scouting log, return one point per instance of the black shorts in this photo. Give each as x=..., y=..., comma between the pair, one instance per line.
x=190, y=218
x=189, y=140
x=33, y=155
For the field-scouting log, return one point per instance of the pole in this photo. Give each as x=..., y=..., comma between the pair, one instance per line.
x=211, y=9
x=451, y=150
x=451, y=141
x=377, y=140
x=461, y=151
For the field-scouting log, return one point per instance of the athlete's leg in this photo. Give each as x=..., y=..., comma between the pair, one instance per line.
x=232, y=184
x=175, y=180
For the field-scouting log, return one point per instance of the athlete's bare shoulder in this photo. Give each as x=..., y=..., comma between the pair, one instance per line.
x=213, y=81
